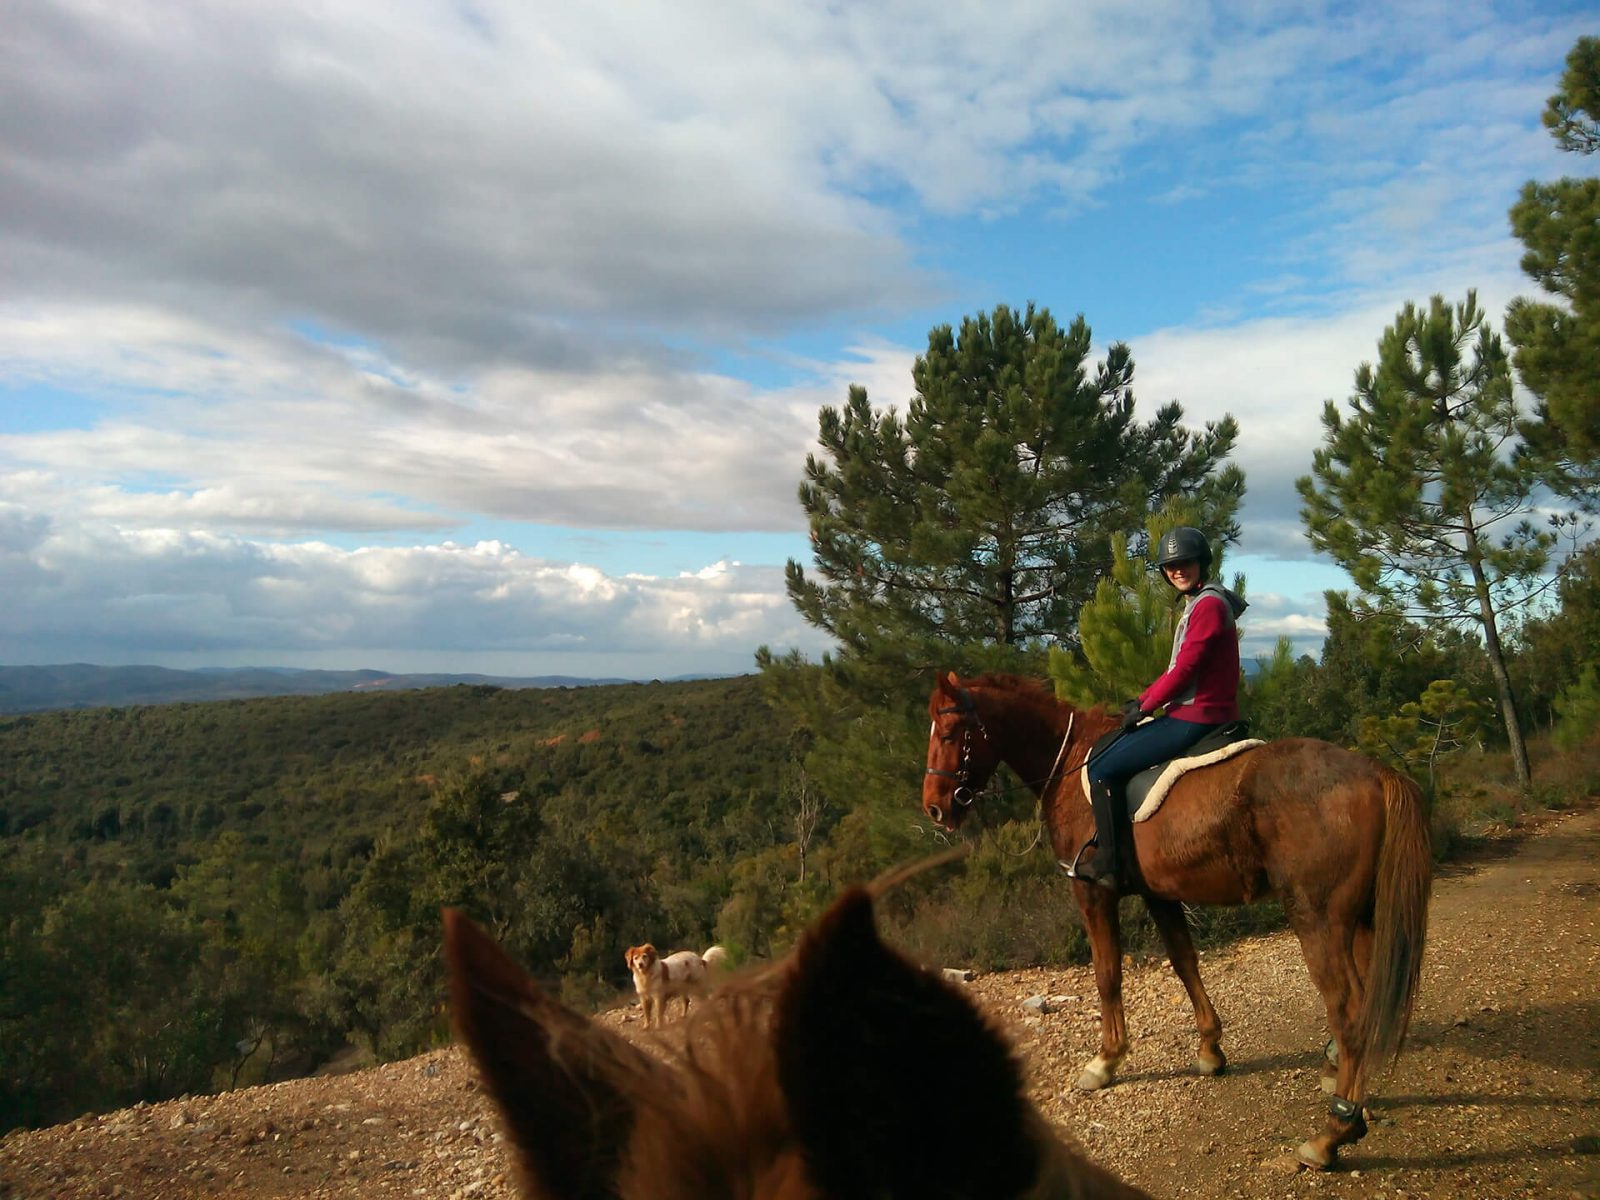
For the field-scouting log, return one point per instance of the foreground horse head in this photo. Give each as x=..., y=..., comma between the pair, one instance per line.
x=1340, y=839
x=828, y=1076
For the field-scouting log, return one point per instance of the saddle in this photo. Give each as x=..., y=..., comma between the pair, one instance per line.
x=1146, y=790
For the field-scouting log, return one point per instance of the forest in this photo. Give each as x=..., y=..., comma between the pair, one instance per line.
x=201, y=895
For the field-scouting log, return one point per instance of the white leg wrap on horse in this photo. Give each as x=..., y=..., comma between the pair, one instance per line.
x=1097, y=1073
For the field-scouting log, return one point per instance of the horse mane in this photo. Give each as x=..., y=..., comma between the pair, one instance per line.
x=1011, y=682
x=1029, y=689
x=722, y=1097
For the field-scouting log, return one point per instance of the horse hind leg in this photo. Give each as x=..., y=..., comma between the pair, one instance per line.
x=1362, y=955
x=1331, y=958
x=1172, y=923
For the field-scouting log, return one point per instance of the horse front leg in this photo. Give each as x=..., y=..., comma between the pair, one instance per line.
x=1172, y=923
x=1101, y=923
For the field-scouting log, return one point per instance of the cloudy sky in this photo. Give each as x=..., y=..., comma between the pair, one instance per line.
x=490, y=336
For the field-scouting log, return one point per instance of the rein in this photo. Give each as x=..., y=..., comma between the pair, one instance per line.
x=1038, y=799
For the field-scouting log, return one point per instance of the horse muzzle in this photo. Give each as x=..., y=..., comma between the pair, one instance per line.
x=947, y=815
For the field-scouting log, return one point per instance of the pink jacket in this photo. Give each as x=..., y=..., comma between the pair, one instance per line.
x=1201, y=684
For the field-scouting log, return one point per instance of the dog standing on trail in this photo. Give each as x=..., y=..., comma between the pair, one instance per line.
x=683, y=973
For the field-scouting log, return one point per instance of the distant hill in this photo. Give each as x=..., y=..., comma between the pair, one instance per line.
x=82, y=685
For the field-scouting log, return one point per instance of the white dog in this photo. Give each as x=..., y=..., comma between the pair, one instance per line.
x=683, y=973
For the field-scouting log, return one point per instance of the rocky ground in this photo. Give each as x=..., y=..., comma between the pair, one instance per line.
x=1498, y=1094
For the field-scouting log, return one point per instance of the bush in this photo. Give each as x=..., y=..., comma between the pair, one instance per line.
x=1578, y=707
x=1006, y=907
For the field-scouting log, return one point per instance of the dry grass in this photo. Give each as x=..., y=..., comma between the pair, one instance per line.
x=1478, y=797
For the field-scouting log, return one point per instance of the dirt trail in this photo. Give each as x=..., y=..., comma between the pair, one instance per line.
x=1497, y=1095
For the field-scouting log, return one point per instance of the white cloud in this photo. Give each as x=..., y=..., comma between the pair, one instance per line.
x=173, y=595
x=276, y=434
x=289, y=161
x=389, y=272
x=570, y=172
x=1274, y=376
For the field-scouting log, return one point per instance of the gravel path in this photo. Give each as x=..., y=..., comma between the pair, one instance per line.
x=1497, y=1095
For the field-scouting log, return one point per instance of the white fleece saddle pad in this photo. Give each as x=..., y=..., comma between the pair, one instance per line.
x=1149, y=788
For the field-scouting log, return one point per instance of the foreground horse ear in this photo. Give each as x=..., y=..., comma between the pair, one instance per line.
x=562, y=1084
x=876, y=1057
x=950, y=682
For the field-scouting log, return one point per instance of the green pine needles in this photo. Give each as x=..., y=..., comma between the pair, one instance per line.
x=1417, y=492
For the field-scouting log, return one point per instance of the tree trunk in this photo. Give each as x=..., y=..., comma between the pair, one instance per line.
x=1502, y=678
x=1006, y=604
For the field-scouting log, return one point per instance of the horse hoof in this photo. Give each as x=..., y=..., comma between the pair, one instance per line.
x=1314, y=1156
x=1211, y=1064
x=1092, y=1081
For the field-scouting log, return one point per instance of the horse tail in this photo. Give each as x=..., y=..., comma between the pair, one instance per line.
x=1400, y=918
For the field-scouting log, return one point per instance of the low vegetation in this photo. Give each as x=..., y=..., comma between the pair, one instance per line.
x=203, y=896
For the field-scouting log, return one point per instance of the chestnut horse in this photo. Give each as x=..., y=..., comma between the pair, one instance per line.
x=1341, y=840
x=811, y=1080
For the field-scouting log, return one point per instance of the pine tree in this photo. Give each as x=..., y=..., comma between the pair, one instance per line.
x=1444, y=720
x=1374, y=660
x=1555, y=647
x=1416, y=492
x=1572, y=115
x=1558, y=345
x=968, y=533
x=985, y=514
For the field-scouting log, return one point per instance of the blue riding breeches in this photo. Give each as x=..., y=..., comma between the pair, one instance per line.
x=1144, y=746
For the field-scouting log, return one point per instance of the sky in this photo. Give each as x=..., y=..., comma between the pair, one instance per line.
x=491, y=337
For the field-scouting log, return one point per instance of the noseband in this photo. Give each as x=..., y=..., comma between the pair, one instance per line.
x=962, y=795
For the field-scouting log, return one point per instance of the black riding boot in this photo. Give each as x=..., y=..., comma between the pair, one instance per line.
x=1103, y=867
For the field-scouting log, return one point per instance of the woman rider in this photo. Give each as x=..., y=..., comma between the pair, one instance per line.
x=1200, y=691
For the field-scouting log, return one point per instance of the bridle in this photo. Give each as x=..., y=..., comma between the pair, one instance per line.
x=963, y=794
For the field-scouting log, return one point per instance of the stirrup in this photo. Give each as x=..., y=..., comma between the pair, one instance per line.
x=1071, y=868
x=1079, y=873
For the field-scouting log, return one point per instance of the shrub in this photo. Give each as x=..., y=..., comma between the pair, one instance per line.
x=1578, y=707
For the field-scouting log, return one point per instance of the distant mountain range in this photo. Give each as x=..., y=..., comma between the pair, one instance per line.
x=81, y=685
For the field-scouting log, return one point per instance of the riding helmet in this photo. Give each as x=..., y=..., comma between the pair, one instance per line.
x=1183, y=543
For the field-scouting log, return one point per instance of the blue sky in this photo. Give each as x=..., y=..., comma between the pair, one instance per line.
x=491, y=336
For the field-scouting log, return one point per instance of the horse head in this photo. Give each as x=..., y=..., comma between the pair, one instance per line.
x=812, y=1080
x=961, y=755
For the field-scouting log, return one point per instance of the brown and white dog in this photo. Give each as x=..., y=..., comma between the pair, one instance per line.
x=658, y=980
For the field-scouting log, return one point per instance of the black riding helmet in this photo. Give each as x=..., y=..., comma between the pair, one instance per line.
x=1180, y=545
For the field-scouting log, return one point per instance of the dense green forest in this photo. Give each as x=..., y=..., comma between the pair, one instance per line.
x=197, y=896
x=200, y=894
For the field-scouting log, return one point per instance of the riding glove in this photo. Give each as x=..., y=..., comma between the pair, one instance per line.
x=1132, y=714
